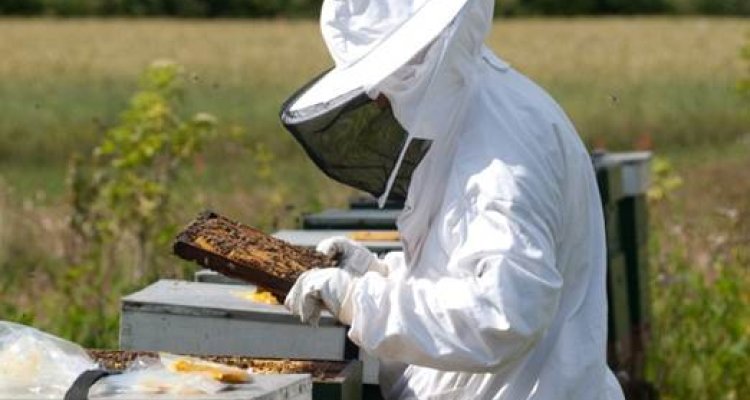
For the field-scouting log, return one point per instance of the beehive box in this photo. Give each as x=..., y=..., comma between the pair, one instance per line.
x=612, y=230
x=242, y=252
x=203, y=318
x=264, y=387
x=638, y=288
x=311, y=238
x=636, y=171
x=330, y=379
x=357, y=219
x=368, y=202
x=208, y=276
x=634, y=221
x=619, y=326
x=609, y=178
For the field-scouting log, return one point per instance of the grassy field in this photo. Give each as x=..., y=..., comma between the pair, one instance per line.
x=666, y=84
x=620, y=79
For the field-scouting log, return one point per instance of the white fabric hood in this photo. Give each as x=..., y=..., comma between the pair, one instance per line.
x=424, y=56
x=429, y=97
x=370, y=39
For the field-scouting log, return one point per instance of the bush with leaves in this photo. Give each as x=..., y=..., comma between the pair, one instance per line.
x=701, y=334
x=123, y=189
x=120, y=197
x=700, y=346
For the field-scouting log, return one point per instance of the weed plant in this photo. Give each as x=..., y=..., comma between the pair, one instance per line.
x=120, y=198
x=700, y=345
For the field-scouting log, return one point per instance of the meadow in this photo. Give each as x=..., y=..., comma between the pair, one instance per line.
x=63, y=81
x=666, y=84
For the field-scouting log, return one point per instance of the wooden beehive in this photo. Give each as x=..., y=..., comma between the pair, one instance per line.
x=332, y=380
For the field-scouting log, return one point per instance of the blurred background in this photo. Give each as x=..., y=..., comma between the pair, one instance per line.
x=120, y=120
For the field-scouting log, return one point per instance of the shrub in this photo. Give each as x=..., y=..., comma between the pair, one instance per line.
x=700, y=345
x=120, y=198
x=701, y=334
x=123, y=188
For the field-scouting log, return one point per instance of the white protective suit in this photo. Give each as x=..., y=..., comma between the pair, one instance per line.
x=500, y=291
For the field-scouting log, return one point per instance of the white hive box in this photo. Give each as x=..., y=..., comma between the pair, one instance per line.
x=263, y=387
x=370, y=363
x=373, y=219
x=209, y=276
x=636, y=171
x=205, y=318
x=311, y=238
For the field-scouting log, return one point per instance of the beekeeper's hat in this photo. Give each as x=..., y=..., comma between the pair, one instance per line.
x=347, y=136
x=371, y=39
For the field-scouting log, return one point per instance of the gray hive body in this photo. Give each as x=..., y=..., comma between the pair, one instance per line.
x=311, y=238
x=352, y=219
x=263, y=387
x=203, y=318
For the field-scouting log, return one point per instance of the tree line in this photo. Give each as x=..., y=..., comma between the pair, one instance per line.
x=309, y=8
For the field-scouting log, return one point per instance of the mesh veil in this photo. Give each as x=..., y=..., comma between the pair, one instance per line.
x=354, y=141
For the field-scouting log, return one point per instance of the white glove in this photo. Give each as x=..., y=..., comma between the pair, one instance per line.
x=329, y=287
x=353, y=257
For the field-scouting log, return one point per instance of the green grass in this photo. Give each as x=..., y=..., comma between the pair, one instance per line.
x=700, y=269
x=619, y=79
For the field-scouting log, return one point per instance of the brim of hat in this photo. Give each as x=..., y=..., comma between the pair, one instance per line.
x=393, y=52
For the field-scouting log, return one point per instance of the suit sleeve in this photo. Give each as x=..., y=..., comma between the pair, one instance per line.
x=481, y=322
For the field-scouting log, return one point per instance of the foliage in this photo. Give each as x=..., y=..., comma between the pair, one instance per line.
x=701, y=326
x=308, y=8
x=4, y=223
x=664, y=179
x=120, y=199
x=71, y=78
x=704, y=357
x=124, y=189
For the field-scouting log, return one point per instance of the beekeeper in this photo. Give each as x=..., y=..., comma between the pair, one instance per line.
x=500, y=290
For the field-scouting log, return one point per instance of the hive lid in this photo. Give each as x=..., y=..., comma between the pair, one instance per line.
x=310, y=238
x=209, y=300
x=353, y=219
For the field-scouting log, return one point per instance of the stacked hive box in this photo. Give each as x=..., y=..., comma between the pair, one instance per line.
x=354, y=219
x=633, y=216
x=609, y=179
x=210, y=319
x=623, y=181
x=330, y=379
